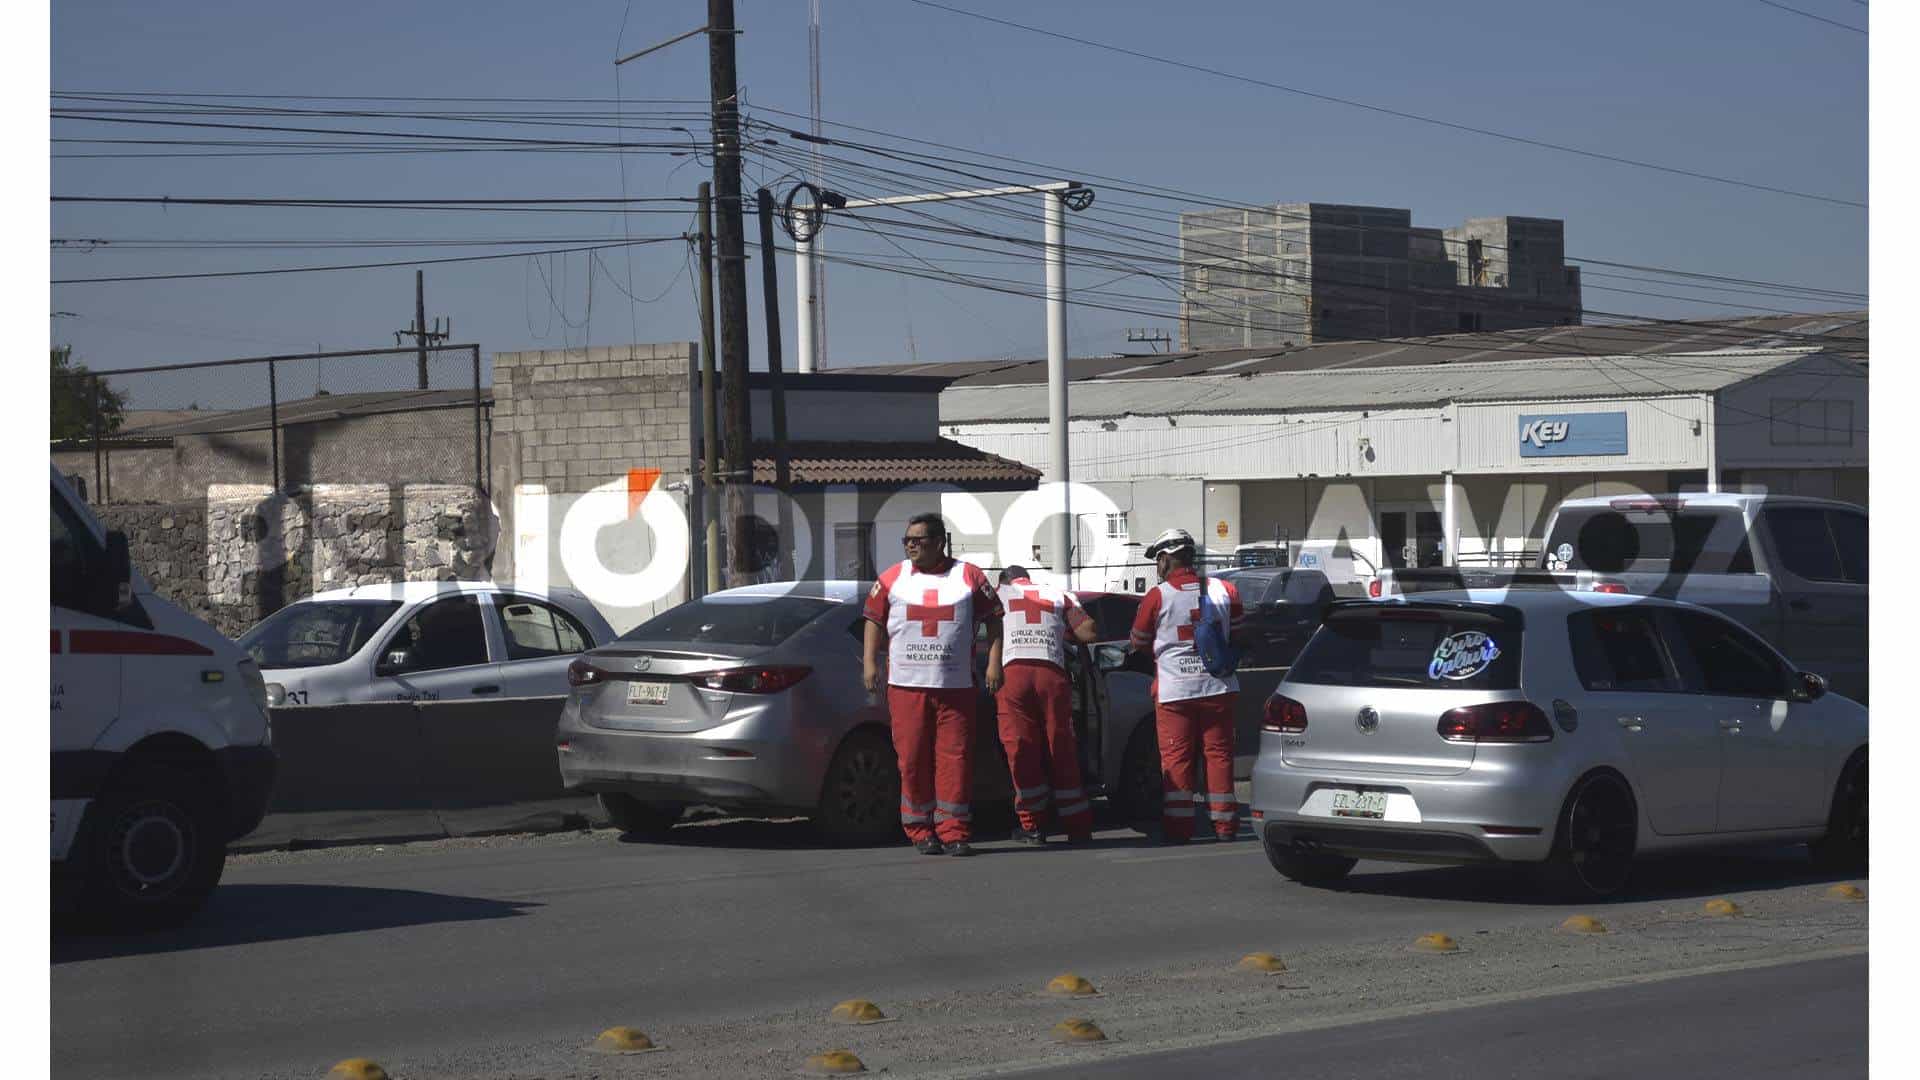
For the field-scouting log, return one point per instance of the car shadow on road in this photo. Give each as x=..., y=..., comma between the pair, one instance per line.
x=249, y=914
x=1671, y=877
x=800, y=834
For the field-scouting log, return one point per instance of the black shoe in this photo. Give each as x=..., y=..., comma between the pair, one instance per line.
x=1031, y=838
x=959, y=847
x=930, y=846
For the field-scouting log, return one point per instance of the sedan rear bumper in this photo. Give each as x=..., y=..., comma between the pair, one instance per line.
x=758, y=763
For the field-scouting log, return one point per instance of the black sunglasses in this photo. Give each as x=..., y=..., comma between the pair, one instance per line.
x=911, y=540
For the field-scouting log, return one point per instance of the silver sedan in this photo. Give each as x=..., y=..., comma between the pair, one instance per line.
x=750, y=700
x=1570, y=731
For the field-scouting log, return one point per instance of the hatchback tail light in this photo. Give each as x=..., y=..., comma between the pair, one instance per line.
x=581, y=673
x=1614, y=587
x=760, y=680
x=1496, y=722
x=1373, y=589
x=1283, y=714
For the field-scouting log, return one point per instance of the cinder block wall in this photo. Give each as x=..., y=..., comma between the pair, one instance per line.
x=573, y=419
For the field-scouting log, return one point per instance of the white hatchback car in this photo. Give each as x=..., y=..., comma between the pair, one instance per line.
x=424, y=641
x=1570, y=730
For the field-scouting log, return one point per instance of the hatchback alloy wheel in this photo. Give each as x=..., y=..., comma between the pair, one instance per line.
x=1599, y=832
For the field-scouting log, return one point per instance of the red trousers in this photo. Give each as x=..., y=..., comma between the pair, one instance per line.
x=1209, y=721
x=933, y=738
x=1036, y=728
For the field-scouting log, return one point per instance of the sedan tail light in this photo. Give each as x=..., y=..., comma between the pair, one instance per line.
x=760, y=680
x=1283, y=714
x=1496, y=722
x=1614, y=587
x=1373, y=589
x=581, y=673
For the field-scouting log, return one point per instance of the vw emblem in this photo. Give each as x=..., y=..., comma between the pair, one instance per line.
x=644, y=663
x=1368, y=721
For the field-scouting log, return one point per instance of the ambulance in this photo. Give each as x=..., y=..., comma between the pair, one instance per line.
x=162, y=752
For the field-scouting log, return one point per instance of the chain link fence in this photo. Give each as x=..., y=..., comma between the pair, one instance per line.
x=383, y=416
x=243, y=485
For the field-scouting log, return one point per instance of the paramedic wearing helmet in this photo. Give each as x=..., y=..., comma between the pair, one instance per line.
x=1191, y=704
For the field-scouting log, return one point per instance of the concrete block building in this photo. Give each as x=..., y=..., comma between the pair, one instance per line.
x=1304, y=273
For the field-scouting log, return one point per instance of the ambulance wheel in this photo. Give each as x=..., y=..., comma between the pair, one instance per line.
x=640, y=819
x=152, y=847
x=860, y=799
x=1138, y=795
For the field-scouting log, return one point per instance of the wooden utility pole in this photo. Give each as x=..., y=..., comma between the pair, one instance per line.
x=709, y=399
x=418, y=331
x=770, y=303
x=420, y=320
x=724, y=89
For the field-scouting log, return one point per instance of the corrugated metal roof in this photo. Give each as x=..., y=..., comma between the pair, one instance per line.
x=1844, y=332
x=940, y=460
x=1385, y=387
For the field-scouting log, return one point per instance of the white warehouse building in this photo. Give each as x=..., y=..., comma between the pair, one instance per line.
x=1431, y=450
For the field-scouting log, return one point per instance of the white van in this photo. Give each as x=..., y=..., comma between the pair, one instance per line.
x=162, y=753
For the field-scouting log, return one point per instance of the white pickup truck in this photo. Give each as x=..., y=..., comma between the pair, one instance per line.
x=1792, y=569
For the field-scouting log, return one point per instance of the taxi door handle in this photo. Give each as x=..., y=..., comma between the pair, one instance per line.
x=486, y=689
x=1730, y=723
x=1631, y=723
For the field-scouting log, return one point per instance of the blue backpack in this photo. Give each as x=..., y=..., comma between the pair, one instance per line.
x=1210, y=639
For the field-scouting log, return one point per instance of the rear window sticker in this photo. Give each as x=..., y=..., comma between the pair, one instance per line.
x=1463, y=655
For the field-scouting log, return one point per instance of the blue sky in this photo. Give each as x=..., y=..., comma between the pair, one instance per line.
x=1730, y=87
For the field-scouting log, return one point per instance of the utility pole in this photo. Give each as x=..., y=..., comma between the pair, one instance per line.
x=709, y=399
x=770, y=301
x=725, y=92
x=418, y=331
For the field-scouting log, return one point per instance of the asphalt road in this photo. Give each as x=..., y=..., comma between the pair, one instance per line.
x=504, y=957
x=1804, y=1021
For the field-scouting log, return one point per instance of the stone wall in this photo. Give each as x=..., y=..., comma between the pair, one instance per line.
x=242, y=553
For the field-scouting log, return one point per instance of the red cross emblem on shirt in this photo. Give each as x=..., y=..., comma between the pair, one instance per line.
x=1186, y=632
x=930, y=613
x=1030, y=603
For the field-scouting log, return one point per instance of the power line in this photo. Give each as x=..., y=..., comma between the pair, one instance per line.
x=355, y=266
x=1155, y=191
x=1815, y=18
x=1383, y=110
x=1164, y=241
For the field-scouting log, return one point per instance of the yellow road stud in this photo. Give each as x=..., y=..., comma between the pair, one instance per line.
x=858, y=1011
x=1264, y=962
x=1846, y=891
x=1722, y=907
x=1436, y=943
x=1078, y=1031
x=1583, y=924
x=623, y=1040
x=1070, y=986
x=835, y=1063
x=357, y=1069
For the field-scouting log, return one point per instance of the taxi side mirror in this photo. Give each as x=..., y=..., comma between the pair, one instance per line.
x=1806, y=686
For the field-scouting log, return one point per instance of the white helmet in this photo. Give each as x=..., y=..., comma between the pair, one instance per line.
x=1171, y=540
